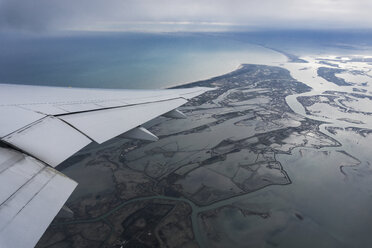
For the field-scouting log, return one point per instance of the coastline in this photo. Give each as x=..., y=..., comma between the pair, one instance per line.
x=291, y=58
x=189, y=84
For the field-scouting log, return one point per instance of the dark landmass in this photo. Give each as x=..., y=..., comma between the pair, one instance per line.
x=252, y=75
x=323, y=62
x=360, y=90
x=329, y=75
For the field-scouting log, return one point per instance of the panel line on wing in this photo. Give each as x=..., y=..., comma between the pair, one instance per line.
x=19, y=130
x=77, y=129
x=15, y=192
x=116, y=107
x=30, y=199
x=9, y=162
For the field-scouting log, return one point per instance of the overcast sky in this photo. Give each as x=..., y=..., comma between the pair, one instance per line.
x=182, y=15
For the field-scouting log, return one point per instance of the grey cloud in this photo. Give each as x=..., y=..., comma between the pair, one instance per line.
x=20, y=15
x=47, y=15
x=43, y=15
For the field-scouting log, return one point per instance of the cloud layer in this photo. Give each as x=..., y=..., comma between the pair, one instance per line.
x=174, y=15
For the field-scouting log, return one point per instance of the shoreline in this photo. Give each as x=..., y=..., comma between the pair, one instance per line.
x=179, y=85
x=291, y=58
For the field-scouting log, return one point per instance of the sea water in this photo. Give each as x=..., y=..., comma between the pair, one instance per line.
x=124, y=60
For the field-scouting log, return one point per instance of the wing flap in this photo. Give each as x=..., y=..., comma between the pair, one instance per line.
x=14, y=204
x=105, y=124
x=27, y=210
x=17, y=175
x=49, y=139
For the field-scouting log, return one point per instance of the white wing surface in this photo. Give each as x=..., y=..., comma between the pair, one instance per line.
x=40, y=127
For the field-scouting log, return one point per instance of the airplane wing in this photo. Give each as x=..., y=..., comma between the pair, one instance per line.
x=40, y=127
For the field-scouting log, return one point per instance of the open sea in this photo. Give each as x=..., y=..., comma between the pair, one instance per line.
x=129, y=60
